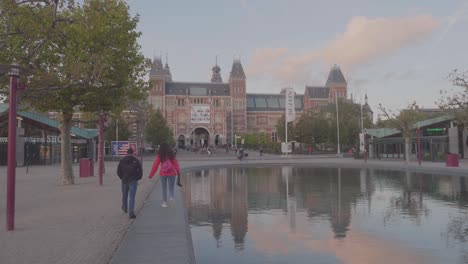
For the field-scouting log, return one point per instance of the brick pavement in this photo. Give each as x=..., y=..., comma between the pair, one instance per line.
x=82, y=223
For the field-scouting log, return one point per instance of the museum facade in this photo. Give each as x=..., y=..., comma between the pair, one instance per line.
x=215, y=113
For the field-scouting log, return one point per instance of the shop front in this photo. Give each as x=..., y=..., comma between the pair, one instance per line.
x=38, y=140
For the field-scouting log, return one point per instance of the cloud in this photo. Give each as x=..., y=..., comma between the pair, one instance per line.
x=265, y=60
x=460, y=13
x=364, y=40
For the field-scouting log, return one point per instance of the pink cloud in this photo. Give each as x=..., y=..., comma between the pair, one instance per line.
x=265, y=60
x=364, y=40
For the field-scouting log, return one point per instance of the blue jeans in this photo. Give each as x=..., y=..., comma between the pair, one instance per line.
x=126, y=188
x=164, y=180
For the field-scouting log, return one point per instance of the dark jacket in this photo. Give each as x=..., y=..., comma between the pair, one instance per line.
x=129, y=169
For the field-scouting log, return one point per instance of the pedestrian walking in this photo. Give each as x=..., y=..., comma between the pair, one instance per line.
x=241, y=153
x=169, y=170
x=130, y=172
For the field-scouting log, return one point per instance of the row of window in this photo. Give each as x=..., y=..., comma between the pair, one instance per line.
x=181, y=102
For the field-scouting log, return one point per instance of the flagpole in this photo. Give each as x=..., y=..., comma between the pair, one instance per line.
x=286, y=127
x=117, y=130
x=337, y=123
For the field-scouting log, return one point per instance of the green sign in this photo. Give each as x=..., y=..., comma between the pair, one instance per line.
x=435, y=129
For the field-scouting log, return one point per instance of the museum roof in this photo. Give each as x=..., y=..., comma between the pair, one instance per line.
x=237, y=71
x=336, y=76
x=320, y=92
x=271, y=102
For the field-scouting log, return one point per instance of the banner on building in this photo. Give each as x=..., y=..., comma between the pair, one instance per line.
x=289, y=104
x=119, y=148
x=200, y=114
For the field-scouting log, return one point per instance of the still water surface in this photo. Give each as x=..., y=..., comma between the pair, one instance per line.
x=326, y=215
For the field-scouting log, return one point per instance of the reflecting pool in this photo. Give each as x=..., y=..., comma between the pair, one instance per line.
x=326, y=215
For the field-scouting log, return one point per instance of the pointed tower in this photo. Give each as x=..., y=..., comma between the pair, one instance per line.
x=158, y=78
x=167, y=71
x=336, y=84
x=216, y=77
x=367, y=110
x=238, y=87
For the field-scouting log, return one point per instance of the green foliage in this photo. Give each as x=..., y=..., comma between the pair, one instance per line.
x=456, y=101
x=280, y=128
x=124, y=131
x=349, y=115
x=440, y=156
x=427, y=156
x=257, y=140
x=156, y=130
x=82, y=57
x=313, y=128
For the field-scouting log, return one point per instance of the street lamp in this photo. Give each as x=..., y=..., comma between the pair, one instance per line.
x=13, y=71
x=101, y=146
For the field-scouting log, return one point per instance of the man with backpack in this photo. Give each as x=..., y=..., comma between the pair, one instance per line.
x=130, y=172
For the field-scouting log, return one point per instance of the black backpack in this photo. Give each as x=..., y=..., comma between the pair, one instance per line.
x=130, y=168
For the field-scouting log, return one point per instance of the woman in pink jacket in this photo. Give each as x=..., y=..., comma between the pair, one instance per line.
x=169, y=170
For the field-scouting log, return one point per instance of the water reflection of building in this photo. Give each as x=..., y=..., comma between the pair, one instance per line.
x=224, y=196
x=239, y=206
x=218, y=196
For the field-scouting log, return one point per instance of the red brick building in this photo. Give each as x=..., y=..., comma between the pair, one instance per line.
x=215, y=112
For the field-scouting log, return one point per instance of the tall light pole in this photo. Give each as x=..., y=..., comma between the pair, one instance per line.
x=13, y=71
x=101, y=146
x=11, y=170
x=337, y=123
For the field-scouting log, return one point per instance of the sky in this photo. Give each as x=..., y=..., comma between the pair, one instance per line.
x=395, y=51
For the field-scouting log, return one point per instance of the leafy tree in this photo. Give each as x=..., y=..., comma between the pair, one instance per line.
x=81, y=57
x=457, y=102
x=89, y=120
x=280, y=128
x=405, y=121
x=257, y=140
x=156, y=130
x=123, y=130
x=313, y=128
x=349, y=119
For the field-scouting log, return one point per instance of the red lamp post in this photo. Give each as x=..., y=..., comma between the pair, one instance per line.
x=141, y=148
x=419, y=145
x=365, y=145
x=101, y=147
x=13, y=71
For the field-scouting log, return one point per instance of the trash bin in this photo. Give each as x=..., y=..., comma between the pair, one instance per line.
x=451, y=160
x=86, y=167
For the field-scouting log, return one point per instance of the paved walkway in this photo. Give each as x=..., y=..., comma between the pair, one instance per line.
x=83, y=223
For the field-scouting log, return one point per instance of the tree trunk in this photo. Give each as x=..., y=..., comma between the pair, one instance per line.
x=407, y=150
x=67, y=170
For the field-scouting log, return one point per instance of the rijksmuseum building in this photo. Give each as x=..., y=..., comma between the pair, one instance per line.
x=215, y=112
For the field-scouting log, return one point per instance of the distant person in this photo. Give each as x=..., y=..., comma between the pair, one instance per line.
x=241, y=153
x=261, y=151
x=169, y=170
x=130, y=172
